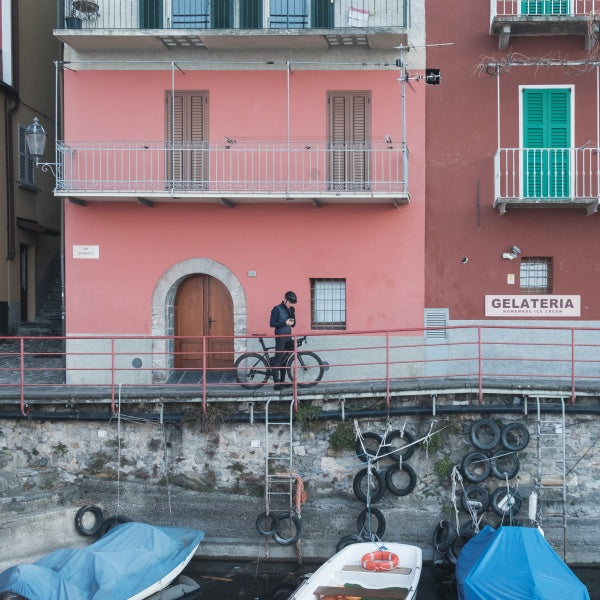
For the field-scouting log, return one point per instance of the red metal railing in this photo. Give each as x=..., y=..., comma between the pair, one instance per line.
x=532, y=359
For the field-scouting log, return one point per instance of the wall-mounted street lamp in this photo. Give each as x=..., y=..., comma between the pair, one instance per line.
x=35, y=138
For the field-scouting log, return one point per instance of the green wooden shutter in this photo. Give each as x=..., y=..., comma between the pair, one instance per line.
x=251, y=14
x=221, y=14
x=151, y=12
x=546, y=142
x=322, y=14
x=544, y=7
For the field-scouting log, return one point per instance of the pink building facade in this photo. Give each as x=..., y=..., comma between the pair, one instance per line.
x=205, y=176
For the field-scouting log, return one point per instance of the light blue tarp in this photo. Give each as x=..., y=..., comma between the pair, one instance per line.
x=125, y=561
x=514, y=563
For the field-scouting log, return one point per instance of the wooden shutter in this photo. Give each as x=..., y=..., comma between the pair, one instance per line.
x=546, y=142
x=251, y=14
x=349, y=120
x=322, y=14
x=186, y=130
x=151, y=12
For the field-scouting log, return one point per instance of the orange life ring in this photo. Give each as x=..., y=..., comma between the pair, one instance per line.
x=379, y=561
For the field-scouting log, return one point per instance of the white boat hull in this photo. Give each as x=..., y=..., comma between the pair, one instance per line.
x=343, y=576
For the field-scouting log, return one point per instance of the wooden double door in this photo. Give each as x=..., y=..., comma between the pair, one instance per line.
x=203, y=307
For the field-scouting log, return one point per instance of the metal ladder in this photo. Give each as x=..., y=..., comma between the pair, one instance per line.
x=552, y=472
x=279, y=489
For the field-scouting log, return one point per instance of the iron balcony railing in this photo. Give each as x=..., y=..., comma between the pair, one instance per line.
x=547, y=8
x=229, y=15
x=547, y=174
x=232, y=168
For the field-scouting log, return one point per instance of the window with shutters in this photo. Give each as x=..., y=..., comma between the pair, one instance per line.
x=536, y=275
x=328, y=304
x=546, y=117
x=187, y=155
x=26, y=162
x=349, y=121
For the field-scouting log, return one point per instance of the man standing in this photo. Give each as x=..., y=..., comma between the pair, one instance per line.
x=283, y=318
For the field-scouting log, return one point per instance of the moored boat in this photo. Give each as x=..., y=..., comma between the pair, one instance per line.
x=366, y=570
x=130, y=562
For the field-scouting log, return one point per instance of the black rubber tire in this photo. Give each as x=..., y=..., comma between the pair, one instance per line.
x=468, y=529
x=499, y=495
x=484, y=434
x=475, y=493
x=515, y=436
x=393, y=486
x=443, y=536
x=456, y=547
x=265, y=519
x=364, y=523
x=372, y=441
x=395, y=451
x=98, y=519
x=476, y=466
x=359, y=485
x=279, y=535
x=309, y=369
x=504, y=464
x=347, y=540
x=251, y=370
x=111, y=522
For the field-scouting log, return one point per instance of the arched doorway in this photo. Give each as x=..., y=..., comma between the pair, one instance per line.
x=203, y=307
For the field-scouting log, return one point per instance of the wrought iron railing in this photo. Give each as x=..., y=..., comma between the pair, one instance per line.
x=232, y=168
x=238, y=14
x=474, y=359
x=550, y=174
x=547, y=8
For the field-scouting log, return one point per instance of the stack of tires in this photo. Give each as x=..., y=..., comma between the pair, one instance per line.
x=371, y=482
x=495, y=455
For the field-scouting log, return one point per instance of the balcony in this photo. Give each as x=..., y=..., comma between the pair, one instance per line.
x=545, y=17
x=233, y=171
x=547, y=177
x=232, y=24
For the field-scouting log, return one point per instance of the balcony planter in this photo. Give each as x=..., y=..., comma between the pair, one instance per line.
x=73, y=22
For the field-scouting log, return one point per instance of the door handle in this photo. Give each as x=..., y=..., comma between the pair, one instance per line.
x=211, y=321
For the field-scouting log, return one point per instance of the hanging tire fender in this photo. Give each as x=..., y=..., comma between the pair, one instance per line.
x=475, y=493
x=398, y=452
x=93, y=529
x=294, y=520
x=363, y=475
x=498, y=464
x=484, y=434
x=476, y=466
x=506, y=501
x=515, y=436
x=267, y=523
x=111, y=522
x=406, y=469
x=366, y=453
x=364, y=528
x=443, y=536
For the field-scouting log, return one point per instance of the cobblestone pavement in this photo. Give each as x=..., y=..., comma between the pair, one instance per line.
x=43, y=360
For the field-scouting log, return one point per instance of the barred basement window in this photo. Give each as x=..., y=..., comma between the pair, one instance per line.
x=536, y=275
x=328, y=303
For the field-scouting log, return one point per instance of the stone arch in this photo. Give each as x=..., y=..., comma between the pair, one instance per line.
x=163, y=308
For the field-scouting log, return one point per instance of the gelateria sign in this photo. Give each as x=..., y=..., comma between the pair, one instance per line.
x=546, y=305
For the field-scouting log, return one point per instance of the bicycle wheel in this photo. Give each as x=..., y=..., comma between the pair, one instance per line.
x=308, y=368
x=251, y=370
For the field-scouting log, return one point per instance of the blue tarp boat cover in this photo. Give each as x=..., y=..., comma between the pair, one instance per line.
x=126, y=560
x=514, y=563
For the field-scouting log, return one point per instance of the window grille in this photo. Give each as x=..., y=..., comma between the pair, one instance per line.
x=328, y=303
x=26, y=162
x=536, y=275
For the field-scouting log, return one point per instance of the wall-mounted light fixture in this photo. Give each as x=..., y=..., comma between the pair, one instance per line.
x=35, y=138
x=512, y=253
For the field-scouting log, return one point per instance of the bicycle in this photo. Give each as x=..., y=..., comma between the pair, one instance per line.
x=253, y=369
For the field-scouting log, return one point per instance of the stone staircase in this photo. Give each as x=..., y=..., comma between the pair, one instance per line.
x=49, y=318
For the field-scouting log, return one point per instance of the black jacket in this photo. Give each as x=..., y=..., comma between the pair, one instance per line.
x=279, y=315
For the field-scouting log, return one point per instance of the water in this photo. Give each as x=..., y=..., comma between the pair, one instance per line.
x=265, y=580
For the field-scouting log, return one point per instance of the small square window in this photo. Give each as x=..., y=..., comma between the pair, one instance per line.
x=26, y=162
x=328, y=303
x=536, y=275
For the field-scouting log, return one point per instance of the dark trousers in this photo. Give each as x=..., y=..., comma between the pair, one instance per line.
x=282, y=346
